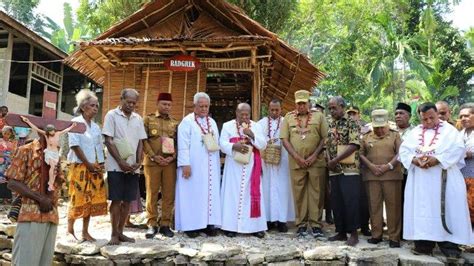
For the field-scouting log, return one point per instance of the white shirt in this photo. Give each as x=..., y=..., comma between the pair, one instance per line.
x=90, y=142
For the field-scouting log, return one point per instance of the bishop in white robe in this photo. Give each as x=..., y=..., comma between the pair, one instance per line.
x=276, y=184
x=427, y=150
x=198, y=199
x=242, y=199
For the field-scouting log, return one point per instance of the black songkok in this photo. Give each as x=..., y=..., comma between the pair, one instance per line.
x=403, y=106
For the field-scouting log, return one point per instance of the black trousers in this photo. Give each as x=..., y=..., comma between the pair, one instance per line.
x=404, y=183
x=345, y=197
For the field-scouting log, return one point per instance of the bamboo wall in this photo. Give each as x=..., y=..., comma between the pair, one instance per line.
x=149, y=81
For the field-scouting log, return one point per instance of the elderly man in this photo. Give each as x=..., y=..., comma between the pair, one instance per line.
x=303, y=133
x=124, y=133
x=402, y=119
x=242, y=202
x=38, y=219
x=276, y=175
x=444, y=112
x=160, y=166
x=343, y=164
x=198, y=202
x=433, y=152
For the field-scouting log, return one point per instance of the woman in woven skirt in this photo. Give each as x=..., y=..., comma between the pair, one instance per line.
x=87, y=191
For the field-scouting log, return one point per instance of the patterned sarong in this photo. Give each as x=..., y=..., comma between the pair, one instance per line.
x=87, y=192
x=470, y=196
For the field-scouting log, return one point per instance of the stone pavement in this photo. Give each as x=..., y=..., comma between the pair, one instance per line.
x=274, y=249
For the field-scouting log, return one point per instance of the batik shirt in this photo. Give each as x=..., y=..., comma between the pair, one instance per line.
x=344, y=131
x=26, y=168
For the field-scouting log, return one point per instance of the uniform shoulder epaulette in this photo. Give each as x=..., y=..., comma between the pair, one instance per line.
x=291, y=113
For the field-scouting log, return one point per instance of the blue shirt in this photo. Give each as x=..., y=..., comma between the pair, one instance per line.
x=90, y=143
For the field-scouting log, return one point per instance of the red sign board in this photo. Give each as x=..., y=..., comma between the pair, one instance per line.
x=182, y=63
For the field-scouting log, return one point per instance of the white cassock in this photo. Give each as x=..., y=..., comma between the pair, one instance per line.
x=422, y=209
x=197, y=199
x=236, y=197
x=276, y=184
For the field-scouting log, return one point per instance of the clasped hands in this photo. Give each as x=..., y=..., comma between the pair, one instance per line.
x=162, y=161
x=305, y=163
x=127, y=168
x=378, y=169
x=425, y=162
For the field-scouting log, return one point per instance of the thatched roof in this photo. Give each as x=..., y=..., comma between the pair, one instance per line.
x=165, y=27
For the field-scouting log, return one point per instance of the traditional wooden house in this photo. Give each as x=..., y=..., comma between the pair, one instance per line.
x=187, y=46
x=29, y=65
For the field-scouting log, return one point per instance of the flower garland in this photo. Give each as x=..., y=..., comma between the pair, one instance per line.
x=200, y=126
x=270, y=127
x=425, y=149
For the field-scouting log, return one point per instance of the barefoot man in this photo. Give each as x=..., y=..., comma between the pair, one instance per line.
x=124, y=133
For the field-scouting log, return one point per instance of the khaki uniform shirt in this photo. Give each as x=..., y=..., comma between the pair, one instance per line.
x=381, y=150
x=315, y=132
x=156, y=127
x=344, y=131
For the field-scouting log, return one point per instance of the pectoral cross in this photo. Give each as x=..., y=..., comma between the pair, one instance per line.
x=48, y=118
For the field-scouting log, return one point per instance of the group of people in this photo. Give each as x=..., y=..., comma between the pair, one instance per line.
x=276, y=170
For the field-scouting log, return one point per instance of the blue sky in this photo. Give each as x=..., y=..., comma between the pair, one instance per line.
x=462, y=15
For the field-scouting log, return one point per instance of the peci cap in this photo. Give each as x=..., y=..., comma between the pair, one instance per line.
x=164, y=96
x=317, y=105
x=302, y=96
x=379, y=118
x=403, y=106
x=354, y=109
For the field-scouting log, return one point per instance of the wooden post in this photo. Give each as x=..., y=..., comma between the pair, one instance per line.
x=198, y=80
x=30, y=71
x=145, y=98
x=185, y=87
x=170, y=81
x=256, y=94
x=6, y=78
x=60, y=94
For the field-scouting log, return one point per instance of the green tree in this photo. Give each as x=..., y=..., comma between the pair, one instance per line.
x=272, y=14
x=96, y=16
x=65, y=37
x=22, y=10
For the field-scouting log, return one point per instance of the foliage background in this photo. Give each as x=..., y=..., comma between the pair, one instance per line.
x=375, y=53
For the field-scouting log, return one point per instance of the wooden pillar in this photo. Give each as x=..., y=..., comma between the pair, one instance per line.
x=30, y=71
x=256, y=94
x=7, y=67
x=145, y=98
x=60, y=94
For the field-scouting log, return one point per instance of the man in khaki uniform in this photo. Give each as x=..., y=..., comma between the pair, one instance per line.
x=160, y=166
x=303, y=133
x=383, y=177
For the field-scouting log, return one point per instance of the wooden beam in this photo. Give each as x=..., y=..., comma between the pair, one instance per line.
x=174, y=49
x=170, y=81
x=102, y=54
x=198, y=80
x=30, y=72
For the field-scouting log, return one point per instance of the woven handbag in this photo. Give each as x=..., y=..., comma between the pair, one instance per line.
x=272, y=154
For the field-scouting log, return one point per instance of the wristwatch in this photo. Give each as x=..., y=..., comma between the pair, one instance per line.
x=390, y=166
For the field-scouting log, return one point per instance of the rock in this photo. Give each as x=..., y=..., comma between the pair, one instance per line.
x=216, y=252
x=142, y=249
x=239, y=259
x=85, y=248
x=449, y=261
x=409, y=259
x=181, y=259
x=287, y=263
x=8, y=229
x=282, y=255
x=377, y=257
x=196, y=261
x=7, y=256
x=88, y=260
x=122, y=262
x=255, y=258
x=190, y=252
x=325, y=253
x=325, y=263
x=58, y=263
x=468, y=257
x=6, y=243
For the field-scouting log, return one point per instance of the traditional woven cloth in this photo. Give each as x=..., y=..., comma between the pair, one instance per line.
x=87, y=192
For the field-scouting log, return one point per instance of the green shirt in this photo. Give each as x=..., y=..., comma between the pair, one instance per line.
x=344, y=131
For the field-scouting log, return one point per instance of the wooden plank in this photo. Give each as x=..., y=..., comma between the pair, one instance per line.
x=170, y=81
x=145, y=98
x=185, y=89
